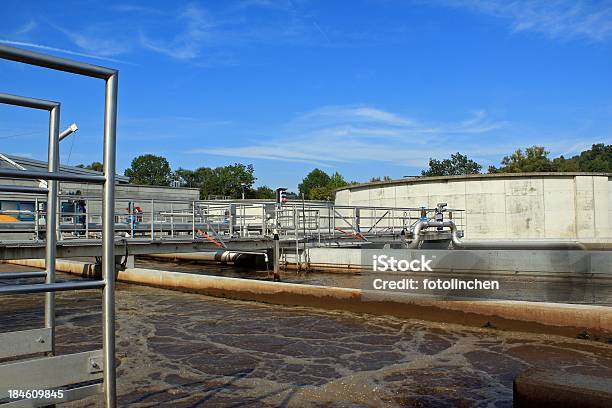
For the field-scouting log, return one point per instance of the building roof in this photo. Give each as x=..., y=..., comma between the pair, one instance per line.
x=423, y=179
x=32, y=164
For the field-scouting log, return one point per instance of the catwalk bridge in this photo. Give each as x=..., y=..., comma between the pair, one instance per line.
x=162, y=226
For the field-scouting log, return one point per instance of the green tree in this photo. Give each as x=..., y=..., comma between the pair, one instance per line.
x=186, y=177
x=327, y=192
x=378, y=179
x=596, y=159
x=150, y=170
x=231, y=180
x=457, y=165
x=535, y=159
x=336, y=181
x=220, y=181
x=314, y=179
x=264, y=193
x=322, y=193
x=96, y=166
x=562, y=164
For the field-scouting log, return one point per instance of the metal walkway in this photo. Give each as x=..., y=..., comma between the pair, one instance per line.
x=221, y=220
x=161, y=226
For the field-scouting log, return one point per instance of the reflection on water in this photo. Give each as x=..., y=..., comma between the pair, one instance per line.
x=588, y=290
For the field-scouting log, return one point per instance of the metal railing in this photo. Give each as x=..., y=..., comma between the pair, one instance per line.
x=60, y=371
x=80, y=217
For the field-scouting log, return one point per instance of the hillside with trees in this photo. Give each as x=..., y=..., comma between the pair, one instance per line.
x=531, y=159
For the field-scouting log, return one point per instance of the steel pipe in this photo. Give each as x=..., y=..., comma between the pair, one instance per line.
x=110, y=127
x=51, y=287
x=23, y=189
x=52, y=194
x=26, y=102
x=70, y=130
x=60, y=64
x=213, y=256
x=20, y=275
x=56, y=175
x=43, y=183
x=108, y=240
x=51, y=224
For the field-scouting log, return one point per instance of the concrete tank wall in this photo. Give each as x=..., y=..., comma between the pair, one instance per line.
x=530, y=205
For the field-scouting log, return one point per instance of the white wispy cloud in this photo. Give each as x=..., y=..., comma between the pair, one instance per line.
x=187, y=44
x=26, y=28
x=345, y=134
x=353, y=114
x=96, y=41
x=561, y=19
x=187, y=32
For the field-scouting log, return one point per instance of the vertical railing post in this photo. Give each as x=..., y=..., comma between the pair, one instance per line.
x=231, y=215
x=36, y=218
x=58, y=225
x=171, y=220
x=276, y=258
x=108, y=242
x=373, y=221
x=152, y=220
x=333, y=227
x=131, y=217
x=193, y=216
x=319, y=224
x=263, y=220
x=296, y=218
x=87, y=218
x=51, y=221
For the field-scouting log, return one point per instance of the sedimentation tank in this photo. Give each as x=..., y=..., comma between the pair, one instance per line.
x=505, y=206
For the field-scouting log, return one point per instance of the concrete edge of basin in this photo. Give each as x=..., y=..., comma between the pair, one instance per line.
x=540, y=317
x=547, y=389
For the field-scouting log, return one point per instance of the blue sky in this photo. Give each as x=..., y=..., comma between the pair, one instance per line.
x=365, y=87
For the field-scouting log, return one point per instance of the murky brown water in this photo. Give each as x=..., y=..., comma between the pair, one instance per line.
x=189, y=350
x=344, y=280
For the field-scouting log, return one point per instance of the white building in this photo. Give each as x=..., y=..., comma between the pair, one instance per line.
x=125, y=193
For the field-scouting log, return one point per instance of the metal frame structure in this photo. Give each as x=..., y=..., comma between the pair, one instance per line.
x=52, y=190
x=51, y=364
x=191, y=220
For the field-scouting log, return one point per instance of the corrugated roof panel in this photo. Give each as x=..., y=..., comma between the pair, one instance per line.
x=32, y=164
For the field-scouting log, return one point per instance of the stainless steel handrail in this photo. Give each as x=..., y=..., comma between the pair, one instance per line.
x=110, y=76
x=50, y=287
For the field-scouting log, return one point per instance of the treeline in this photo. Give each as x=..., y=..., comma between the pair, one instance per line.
x=532, y=159
x=237, y=180
x=232, y=181
x=227, y=181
